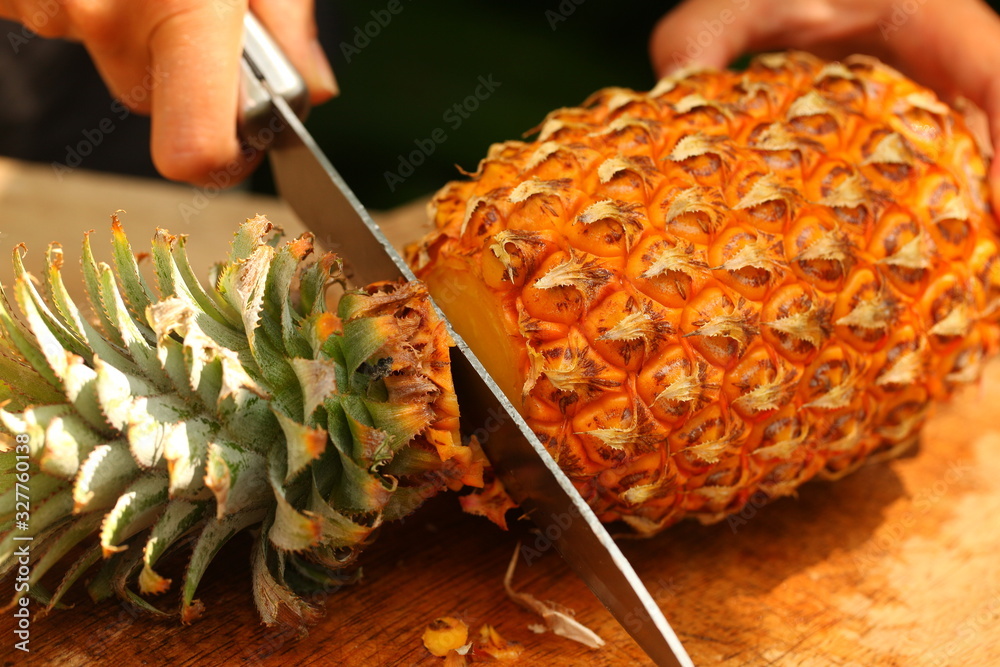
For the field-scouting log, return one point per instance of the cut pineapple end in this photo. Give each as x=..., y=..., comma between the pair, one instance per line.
x=482, y=326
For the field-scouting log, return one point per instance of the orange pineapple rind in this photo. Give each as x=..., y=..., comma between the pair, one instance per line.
x=726, y=286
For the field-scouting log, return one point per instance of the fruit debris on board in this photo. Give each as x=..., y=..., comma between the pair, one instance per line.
x=168, y=421
x=726, y=286
x=448, y=637
x=557, y=618
x=446, y=634
x=493, y=644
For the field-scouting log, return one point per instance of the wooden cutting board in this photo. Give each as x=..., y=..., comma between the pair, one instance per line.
x=894, y=565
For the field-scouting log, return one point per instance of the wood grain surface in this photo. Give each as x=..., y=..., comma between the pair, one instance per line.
x=894, y=565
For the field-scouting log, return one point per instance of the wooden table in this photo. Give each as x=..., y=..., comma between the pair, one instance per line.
x=894, y=565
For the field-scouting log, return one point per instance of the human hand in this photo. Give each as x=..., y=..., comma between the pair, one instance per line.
x=952, y=46
x=179, y=61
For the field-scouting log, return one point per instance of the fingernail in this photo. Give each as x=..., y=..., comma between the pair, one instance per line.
x=324, y=83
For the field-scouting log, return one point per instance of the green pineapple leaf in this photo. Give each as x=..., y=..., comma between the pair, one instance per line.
x=166, y=423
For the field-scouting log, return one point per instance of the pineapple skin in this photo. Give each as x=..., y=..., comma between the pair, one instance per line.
x=726, y=286
x=163, y=423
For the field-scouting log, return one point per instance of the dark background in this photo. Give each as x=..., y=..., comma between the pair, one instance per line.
x=395, y=89
x=430, y=56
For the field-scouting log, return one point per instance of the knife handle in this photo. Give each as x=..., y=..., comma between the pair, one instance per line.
x=265, y=63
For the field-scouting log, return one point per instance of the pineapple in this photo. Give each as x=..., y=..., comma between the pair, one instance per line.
x=726, y=286
x=172, y=422
x=713, y=291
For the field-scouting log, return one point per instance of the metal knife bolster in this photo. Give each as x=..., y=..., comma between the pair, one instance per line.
x=264, y=61
x=326, y=205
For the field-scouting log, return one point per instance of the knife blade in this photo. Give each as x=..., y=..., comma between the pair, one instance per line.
x=307, y=180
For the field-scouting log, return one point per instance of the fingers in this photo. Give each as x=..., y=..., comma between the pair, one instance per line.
x=715, y=32
x=703, y=32
x=43, y=17
x=115, y=39
x=178, y=60
x=953, y=46
x=195, y=55
x=293, y=26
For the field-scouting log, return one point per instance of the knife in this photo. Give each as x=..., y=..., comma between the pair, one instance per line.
x=274, y=98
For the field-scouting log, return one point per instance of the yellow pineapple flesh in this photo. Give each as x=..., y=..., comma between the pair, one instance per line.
x=728, y=285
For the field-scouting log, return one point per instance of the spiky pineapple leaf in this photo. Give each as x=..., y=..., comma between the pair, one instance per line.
x=363, y=337
x=401, y=422
x=104, y=476
x=303, y=444
x=200, y=414
x=77, y=379
x=152, y=420
x=42, y=486
x=211, y=302
x=56, y=290
x=92, y=284
x=405, y=501
x=113, y=579
x=284, y=269
x=30, y=388
x=68, y=442
x=69, y=537
x=118, y=393
x=46, y=514
x=18, y=339
x=136, y=509
x=138, y=337
x=69, y=339
x=313, y=283
x=275, y=601
x=318, y=381
x=247, y=239
x=179, y=518
x=292, y=529
x=137, y=292
x=32, y=423
x=336, y=529
x=212, y=538
x=206, y=342
x=64, y=305
x=185, y=449
x=237, y=476
x=73, y=573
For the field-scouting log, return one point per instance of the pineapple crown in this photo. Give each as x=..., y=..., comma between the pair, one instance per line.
x=190, y=416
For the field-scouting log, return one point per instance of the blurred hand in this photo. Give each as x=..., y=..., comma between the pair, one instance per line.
x=952, y=46
x=179, y=60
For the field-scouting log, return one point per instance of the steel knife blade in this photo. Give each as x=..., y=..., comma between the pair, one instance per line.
x=307, y=180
